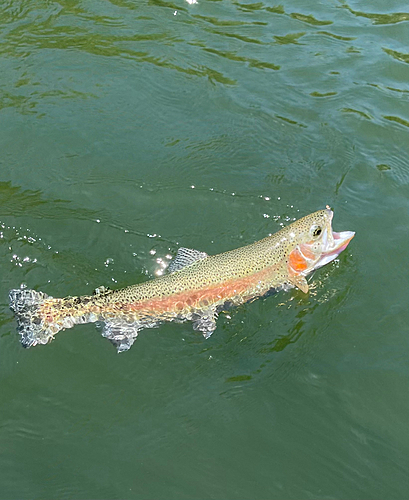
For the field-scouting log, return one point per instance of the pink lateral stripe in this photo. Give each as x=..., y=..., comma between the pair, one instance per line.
x=200, y=298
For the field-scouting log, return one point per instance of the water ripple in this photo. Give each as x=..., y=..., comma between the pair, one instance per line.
x=393, y=18
x=399, y=56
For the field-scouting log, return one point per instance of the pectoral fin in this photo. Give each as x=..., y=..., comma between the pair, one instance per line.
x=299, y=282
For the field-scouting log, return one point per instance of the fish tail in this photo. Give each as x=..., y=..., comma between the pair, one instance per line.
x=39, y=316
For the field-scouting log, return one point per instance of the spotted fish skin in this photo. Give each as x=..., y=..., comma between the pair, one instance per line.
x=196, y=288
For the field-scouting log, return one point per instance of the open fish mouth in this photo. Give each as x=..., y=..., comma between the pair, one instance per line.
x=333, y=243
x=341, y=240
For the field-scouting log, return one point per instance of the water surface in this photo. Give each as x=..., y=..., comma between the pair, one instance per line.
x=129, y=129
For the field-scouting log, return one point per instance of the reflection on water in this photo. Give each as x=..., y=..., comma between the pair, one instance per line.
x=396, y=17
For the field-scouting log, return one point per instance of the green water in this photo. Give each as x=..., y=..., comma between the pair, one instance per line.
x=129, y=128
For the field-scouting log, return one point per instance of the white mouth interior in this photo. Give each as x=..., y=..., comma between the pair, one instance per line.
x=333, y=246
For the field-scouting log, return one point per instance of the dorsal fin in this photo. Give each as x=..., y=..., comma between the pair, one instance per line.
x=185, y=257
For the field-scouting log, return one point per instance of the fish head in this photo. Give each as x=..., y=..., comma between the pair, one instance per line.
x=314, y=243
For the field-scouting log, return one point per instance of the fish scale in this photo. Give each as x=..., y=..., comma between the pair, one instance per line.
x=197, y=287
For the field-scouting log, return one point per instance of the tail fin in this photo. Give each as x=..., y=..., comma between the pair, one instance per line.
x=33, y=329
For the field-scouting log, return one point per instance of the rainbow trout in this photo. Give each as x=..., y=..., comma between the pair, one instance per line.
x=197, y=286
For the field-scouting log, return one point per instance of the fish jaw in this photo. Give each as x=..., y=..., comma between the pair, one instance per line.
x=334, y=243
x=333, y=246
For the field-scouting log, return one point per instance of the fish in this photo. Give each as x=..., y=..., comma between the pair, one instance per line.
x=196, y=286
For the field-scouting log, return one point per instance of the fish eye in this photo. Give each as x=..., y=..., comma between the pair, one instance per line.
x=316, y=231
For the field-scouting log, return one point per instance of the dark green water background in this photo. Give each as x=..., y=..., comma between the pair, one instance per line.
x=129, y=128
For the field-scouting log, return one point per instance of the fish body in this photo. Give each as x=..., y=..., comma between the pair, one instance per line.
x=196, y=288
